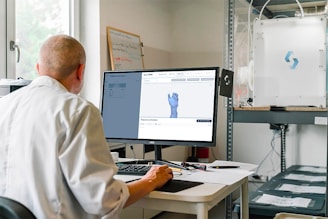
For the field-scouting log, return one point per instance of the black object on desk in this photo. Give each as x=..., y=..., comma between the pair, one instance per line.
x=224, y=167
x=194, y=165
x=176, y=185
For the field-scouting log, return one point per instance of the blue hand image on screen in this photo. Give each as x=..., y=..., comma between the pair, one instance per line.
x=174, y=102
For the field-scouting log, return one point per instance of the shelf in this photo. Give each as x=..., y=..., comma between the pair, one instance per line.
x=286, y=115
x=280, y=115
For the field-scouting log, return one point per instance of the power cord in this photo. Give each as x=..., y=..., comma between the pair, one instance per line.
x=270, y=153
x=132, y=149
x=267, y=2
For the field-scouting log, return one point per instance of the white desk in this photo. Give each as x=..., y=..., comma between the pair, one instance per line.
x=200, y=199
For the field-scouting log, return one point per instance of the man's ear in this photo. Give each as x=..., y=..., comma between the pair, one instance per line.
x=80, y=70
x=37, y=66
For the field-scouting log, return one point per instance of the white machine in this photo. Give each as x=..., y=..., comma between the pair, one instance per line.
x=9, y=85
x=290, y=62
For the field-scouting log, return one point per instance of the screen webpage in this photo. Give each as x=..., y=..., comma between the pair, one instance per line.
x=160, y=105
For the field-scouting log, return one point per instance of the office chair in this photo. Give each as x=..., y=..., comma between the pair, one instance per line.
x=11, y=209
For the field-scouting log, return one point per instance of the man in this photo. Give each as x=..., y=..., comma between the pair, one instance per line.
x=54, y=158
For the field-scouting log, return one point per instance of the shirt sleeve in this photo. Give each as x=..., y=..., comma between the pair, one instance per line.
x=88, y=166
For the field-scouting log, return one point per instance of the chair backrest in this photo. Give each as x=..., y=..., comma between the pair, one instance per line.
x=11, y=209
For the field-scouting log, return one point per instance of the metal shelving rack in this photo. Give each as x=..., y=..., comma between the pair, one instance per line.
x=229, y=65
x=303, y=116
x=265, y=116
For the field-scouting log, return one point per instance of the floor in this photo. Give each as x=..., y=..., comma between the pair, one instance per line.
x=218, y=212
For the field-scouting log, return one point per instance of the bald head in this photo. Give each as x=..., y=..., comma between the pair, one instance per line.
x=60, y=57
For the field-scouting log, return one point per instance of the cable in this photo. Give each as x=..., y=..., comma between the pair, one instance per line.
x=132, y=149
x=262, y=9
x=301, y=8
x=267, y=2
x=249, y=28
x=274, y=151
x=270, y=153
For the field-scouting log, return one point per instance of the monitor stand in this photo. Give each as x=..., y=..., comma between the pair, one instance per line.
x=158, y=160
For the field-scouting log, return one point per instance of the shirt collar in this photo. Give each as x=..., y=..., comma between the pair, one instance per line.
x=49, y=82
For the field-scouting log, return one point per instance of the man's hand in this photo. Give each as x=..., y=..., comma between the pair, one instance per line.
x=155, y=178
x=159, y=175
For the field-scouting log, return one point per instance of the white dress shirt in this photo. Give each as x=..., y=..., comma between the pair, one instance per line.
x=54, y=157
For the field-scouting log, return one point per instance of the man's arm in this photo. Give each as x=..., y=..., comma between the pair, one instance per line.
x=156, y=177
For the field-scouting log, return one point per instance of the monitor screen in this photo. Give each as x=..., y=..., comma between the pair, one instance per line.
x=161, y=107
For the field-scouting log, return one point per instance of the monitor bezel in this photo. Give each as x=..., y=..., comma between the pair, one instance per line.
x=165, y=142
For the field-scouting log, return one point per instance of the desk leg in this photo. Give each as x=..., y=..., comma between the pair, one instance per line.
x=202, y=211
x=244, y=200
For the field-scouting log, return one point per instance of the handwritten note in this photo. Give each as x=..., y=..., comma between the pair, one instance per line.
x=125, y=49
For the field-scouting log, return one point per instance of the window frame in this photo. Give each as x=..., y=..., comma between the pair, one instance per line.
x=3, y=38
x=10, y=57
x=10, y=33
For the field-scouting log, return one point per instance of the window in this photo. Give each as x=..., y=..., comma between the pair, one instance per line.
x=35, y=20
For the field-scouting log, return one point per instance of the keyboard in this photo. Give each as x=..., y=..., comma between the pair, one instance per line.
x=133, y=169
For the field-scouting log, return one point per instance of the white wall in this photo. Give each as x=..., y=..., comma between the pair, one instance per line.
x=312, y=141
x=173, y=33
x=197, y=31
x=189, y=33
x=90, y=32
x=148, y=19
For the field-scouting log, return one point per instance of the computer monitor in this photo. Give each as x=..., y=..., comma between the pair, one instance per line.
x=161, y=106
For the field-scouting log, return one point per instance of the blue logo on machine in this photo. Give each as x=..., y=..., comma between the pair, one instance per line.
x=291, y=59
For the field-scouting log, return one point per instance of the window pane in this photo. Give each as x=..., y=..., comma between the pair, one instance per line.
x=35, y=21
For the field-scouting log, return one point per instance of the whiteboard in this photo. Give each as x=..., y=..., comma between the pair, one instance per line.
x=125, y=50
